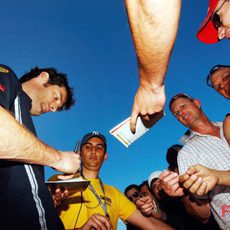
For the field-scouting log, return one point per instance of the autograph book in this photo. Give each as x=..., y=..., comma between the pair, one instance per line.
x=77, y=183
x=125, y=136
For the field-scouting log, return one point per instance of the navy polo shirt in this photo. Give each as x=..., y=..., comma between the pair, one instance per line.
x=25, y=202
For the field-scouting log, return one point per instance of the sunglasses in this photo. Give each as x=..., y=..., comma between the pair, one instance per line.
x=216, y=18
x=134, y=196
x=216, y=21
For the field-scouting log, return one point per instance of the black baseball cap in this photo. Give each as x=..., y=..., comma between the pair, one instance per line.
x=91, y=135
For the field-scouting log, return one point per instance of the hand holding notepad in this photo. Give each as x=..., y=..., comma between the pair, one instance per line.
x=125, y=136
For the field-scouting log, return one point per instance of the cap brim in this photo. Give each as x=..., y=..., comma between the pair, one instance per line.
x=207, y=33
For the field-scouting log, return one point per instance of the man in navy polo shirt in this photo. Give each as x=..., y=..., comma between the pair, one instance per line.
x=25, y=202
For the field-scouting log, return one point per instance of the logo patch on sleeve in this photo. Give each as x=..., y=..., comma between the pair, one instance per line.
x=4, y=70
x=2, y=88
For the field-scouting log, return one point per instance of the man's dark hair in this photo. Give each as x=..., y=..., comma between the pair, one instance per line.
x=130, y=187
x=55, y=78
x=171, y=156
x=179, y=95
x=145, y=182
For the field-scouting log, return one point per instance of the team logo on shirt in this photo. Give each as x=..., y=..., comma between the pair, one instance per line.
x=2, y=88
x=3, y=70
x=106, y=199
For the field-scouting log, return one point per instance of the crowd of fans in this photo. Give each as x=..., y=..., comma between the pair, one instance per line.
x=193, y=192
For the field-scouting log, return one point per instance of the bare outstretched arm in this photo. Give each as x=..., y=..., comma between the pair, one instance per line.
x=142, y=222
x=19, y=144
x=154, y=27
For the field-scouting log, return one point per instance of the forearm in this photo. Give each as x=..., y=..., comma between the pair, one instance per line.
x=142, y=222
x=200, y=209
x=19, y=144
x=153, y=24
x=223, y=177
x=160, y=215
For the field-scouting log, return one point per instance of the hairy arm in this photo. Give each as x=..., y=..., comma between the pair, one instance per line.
x=153, y=25
x=143, y=222
x=19, y=144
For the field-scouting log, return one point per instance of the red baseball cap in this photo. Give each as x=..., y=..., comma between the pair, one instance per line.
x=207, y=33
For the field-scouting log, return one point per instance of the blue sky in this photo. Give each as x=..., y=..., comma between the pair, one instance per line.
x=91, y=42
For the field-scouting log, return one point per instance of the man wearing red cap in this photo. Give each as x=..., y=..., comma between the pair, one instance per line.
x=216, y=25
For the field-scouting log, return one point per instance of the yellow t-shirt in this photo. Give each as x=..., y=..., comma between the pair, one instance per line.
x=80, y=206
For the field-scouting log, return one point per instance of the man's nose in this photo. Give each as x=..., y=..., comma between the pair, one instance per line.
x=182, y=113
x=93, y=149
x=53, y=107
x=221, y=85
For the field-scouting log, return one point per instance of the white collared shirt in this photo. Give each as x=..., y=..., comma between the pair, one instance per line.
x=214, y=153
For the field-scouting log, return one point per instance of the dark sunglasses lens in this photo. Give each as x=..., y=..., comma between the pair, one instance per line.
x=216, y=21
x=135, y=194
x=130, y=198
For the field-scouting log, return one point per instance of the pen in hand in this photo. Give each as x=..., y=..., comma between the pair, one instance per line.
x=76, y=149
x=77, y=146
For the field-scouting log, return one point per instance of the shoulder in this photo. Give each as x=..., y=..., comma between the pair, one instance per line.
x=8, y=77
x=6, y=70
x=111, y=188
x=187, y=148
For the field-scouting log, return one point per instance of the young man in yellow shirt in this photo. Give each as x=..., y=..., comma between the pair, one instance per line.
x=100, y=205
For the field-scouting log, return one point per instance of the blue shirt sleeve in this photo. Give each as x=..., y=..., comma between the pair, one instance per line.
x=9, y=85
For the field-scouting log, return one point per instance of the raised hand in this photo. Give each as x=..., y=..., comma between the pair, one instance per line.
x=97, y=222
x=69, y=162
x=170, y=183
x=199, y=179
x=147, y=103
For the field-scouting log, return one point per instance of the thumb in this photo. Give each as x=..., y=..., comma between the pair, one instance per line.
x=193, y=169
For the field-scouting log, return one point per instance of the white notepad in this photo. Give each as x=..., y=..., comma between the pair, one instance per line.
x=125, y=136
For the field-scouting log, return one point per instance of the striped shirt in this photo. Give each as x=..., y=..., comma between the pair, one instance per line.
x=214, y=153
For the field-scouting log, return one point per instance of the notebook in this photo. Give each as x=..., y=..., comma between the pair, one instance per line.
x=78, y=183
x=125, y=136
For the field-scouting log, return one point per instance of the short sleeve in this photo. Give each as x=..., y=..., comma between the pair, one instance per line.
x=9, y=85
x=126, y=207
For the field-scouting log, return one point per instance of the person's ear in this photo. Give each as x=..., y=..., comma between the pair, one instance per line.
x=78, y=152
x=43, y=77
x=197, y=103
x=105, y=156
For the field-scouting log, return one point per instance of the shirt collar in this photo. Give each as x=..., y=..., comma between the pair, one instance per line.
x=189, y=134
